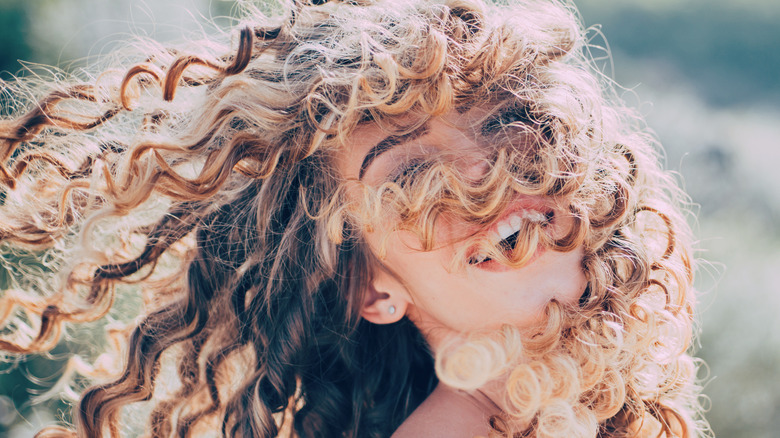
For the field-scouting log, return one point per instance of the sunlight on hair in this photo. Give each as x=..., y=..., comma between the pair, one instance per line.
x=200, y=185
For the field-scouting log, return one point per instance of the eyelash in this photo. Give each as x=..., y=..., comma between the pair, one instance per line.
x=403, y=172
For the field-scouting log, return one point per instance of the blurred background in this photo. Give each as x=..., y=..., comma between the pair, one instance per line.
x=706, y=75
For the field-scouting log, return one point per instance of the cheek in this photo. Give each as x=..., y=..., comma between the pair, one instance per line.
x=408, y=248
x=520, y=296
x=559, y=275
x=572, y=280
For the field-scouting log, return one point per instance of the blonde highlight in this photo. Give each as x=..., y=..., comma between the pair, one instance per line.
x=211, y=176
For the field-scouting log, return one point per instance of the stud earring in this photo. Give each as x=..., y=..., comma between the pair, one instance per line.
x=391, y=310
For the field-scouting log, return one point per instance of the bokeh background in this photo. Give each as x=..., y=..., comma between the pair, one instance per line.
x=706, y=75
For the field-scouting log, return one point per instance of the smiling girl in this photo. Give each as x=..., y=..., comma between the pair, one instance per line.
x=366, y=218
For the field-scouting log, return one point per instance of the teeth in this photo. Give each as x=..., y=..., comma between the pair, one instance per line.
x=505, y=229
x=534, y=216
x=479, y=258
x=510, y=226
x=514, y=222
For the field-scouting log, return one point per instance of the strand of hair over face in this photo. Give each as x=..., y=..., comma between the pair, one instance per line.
x=207, y=179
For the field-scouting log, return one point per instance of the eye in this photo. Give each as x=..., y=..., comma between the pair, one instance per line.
x=407, y=172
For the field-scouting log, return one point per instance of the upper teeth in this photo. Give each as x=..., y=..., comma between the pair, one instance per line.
x=509, y=226
x=514, y=222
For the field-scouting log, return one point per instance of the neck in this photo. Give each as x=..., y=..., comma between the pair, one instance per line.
x=480, y=399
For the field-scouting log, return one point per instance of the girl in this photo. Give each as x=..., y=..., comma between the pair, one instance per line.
x=357, y=219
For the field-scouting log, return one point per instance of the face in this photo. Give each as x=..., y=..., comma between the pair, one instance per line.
x=438, y=299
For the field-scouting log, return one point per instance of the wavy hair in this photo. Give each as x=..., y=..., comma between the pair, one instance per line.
x=204, y=182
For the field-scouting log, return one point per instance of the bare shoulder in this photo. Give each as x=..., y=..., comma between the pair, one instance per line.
x=445, y=414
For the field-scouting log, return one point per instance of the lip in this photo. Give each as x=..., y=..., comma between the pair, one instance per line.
x=495, y=266
x=533, y=203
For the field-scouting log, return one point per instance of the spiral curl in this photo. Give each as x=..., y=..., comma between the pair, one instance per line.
x=220, y=161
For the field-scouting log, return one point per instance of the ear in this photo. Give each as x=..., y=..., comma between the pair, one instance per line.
x=386, y=300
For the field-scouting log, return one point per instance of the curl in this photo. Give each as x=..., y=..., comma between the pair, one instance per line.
x=225, y=206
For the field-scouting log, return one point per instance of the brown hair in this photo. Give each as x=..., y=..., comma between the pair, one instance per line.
x=205, y=182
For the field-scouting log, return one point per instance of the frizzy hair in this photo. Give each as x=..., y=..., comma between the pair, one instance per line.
x=207, y=180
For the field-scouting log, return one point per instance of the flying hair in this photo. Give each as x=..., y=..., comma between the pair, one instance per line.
x=202, y=185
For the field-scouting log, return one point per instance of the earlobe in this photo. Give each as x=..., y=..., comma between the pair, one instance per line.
x=385, y=305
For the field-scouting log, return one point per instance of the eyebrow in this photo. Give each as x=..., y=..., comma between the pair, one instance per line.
x=387, y=143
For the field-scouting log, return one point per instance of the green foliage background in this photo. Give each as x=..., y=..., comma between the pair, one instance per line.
x=704, y=73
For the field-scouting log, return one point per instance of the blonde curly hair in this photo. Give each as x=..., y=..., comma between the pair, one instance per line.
x=204, y=182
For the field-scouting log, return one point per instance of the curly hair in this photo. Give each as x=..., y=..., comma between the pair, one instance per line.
x=204, y=182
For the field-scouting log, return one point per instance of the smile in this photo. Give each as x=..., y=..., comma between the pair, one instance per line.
x=505, y=232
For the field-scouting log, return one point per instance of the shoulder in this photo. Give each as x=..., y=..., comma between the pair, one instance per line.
x=446, y=413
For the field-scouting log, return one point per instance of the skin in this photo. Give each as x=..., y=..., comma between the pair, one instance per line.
x=443, y=302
